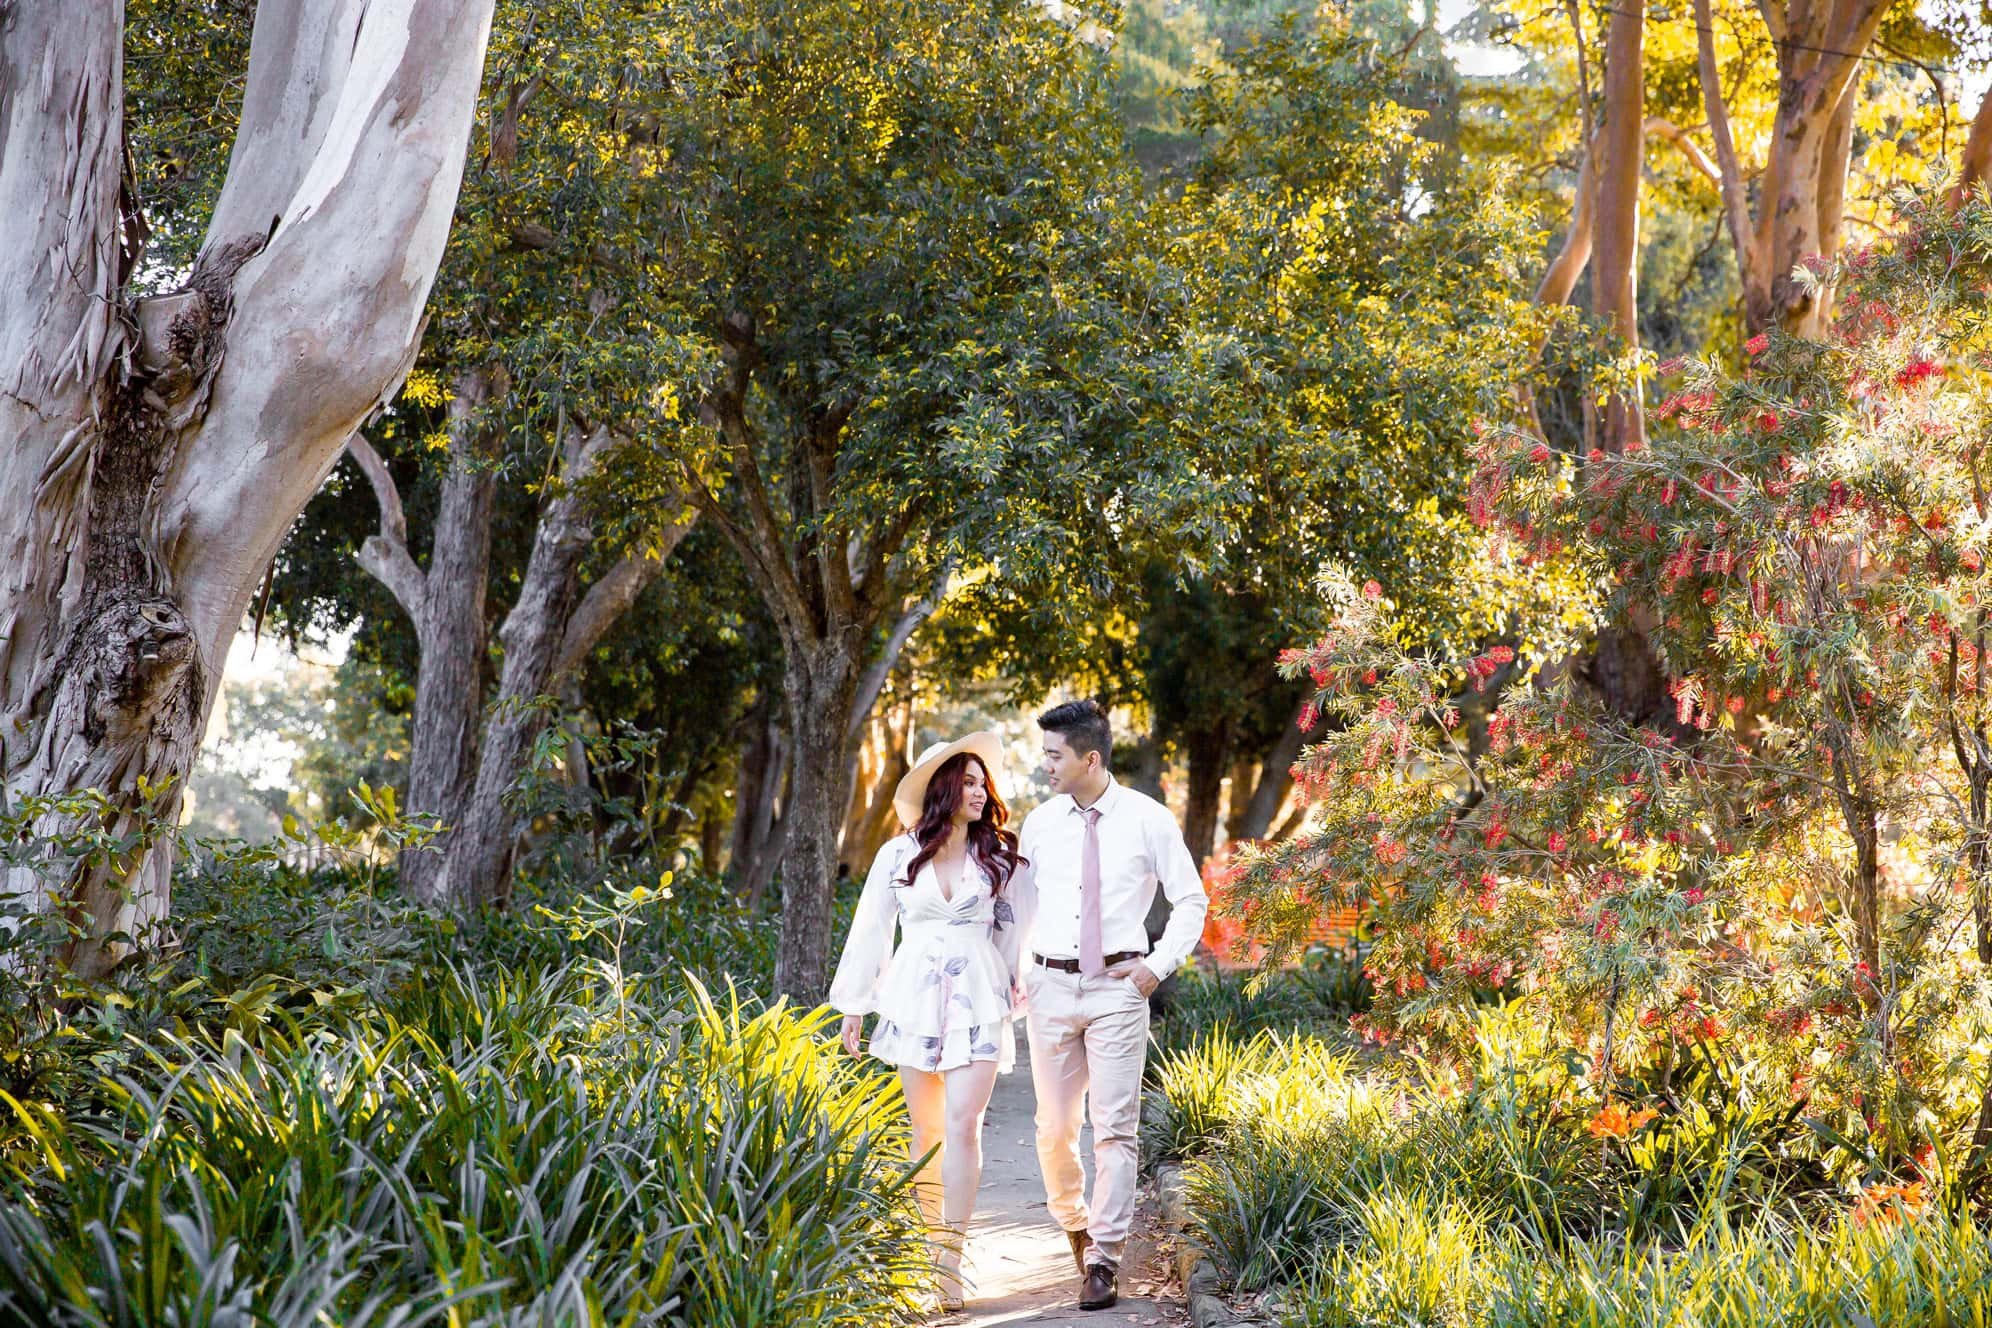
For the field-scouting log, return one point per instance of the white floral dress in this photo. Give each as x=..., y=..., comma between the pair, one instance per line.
x=942, y=994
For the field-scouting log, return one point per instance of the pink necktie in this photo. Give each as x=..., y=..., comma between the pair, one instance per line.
x=1090, y=962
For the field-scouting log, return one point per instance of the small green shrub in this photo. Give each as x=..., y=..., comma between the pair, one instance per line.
x=1316, y=996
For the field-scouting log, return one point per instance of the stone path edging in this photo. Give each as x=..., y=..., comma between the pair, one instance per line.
x=1194, y=1269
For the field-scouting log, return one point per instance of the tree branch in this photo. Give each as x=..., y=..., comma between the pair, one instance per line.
x=761, y=544
x=300, y=55
x=1678, y=136
x=1735, y=205
x=833, y=564
x=611, y=596
x=878, y=553
x=909, y=622
x=326, y=317
x=1560, y=278
x=385, y=555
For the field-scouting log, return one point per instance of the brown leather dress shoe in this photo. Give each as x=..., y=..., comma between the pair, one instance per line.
x=1078, y=1240
x=1098, y=1292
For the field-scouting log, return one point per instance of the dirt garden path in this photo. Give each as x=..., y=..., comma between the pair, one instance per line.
x=1019, y=1266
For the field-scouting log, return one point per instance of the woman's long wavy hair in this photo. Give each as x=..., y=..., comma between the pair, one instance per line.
x=992, y=845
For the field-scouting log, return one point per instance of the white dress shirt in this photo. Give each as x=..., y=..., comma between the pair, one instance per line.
x=1140, y=847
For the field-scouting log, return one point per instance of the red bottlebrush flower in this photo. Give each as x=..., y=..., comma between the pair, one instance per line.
x=1539, y=453
x=1710, y=595
x=1386, y=706
x=1917, y=370
x=1310, y=714
x=1693, y=894
x=1369, y=677
x=1371, y=590
x=1755, y=345
x=1502, y=654
x=1767, y=422
x=1971, y=560
x=1557, y=843
x=1936, y=519
x=1774, y=695
x=1387, y=850
x=1496, y=832
x=1735, y=704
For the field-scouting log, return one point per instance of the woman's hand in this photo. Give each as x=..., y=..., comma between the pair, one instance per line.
x=854, y=1032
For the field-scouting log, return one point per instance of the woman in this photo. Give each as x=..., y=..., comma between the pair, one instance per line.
x=944, y=998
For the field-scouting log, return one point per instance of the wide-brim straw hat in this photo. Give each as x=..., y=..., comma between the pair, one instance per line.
x=911, y=795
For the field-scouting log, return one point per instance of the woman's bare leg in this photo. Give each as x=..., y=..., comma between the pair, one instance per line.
x=926, y=1107
x=967, y=1093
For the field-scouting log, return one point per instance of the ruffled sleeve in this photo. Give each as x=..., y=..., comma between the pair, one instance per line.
x=1016, y=909
x=868, y=949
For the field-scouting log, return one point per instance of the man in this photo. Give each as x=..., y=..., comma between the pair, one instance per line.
x=1097, y=851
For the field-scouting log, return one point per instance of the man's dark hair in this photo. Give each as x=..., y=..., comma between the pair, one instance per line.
x=1084, y=726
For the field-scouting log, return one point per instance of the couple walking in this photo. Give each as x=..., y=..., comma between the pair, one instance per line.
x=1050, y=924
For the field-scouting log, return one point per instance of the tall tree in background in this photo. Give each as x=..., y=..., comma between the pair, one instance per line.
x=1782, y=123
x=1345, y=292
x=540, y=330
x=157, y=449
x=888, y=232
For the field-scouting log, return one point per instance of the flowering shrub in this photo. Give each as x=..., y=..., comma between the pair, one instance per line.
x=1793, y=857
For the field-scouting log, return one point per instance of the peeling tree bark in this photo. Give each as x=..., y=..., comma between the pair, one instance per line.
x=156, y=452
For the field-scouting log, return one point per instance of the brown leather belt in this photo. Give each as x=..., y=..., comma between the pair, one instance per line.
x=1072, y=965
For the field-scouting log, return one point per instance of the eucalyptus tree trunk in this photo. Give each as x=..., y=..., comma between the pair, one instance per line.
x=1974, y=168
x=1615, y=278
x=1801, y=194
x=883, y=760
x=1274, y=784
x=478, y=853
x=154, y=452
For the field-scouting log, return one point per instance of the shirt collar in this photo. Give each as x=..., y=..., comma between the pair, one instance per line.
x=1105, y=804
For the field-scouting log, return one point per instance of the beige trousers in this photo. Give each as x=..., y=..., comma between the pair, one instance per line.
x=1088, y=1039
